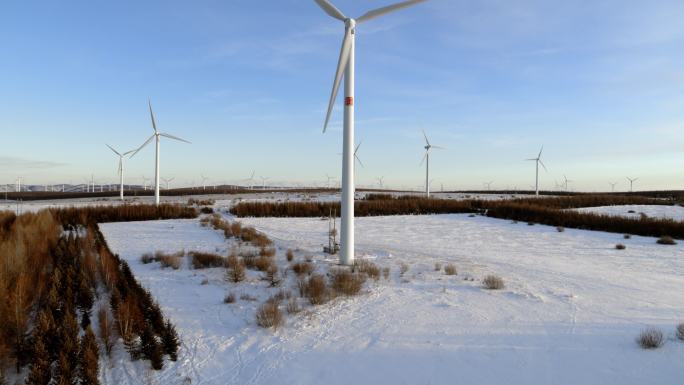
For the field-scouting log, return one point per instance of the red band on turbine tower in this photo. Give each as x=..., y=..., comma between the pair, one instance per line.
x=349, y=101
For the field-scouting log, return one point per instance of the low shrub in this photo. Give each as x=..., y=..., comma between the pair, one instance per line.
x=236, y=269
x=206, y=210
x=493, y=282
x=369, y=268
x=263, y=263
x=666, y=240
x=147, y=258
x=620, y=246
x=316, y=290
x=289, y=255
x=650, y=338
x=229, y=298
x=386, y=273
x=202, y=260
x=169, y=260
x=450, y=269
x=272, y=275
x=302, y=268
x=267, y=252
x=680, y=331
x=268, y=315
x=345, y=282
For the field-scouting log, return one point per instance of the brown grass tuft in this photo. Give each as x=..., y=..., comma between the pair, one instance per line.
x=369, y=268
x=229, y=298
x=650, y=338
x=268, y=315
x=345, y=282
x=666, y=240
x=302, y=268
x=236, y=269
x=289, y=255
x=201, y=260
x=450, y=269
x=620, y=246
x=493, y=282
x=316, y=290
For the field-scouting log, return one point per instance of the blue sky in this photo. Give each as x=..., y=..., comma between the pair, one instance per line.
x=599, y=83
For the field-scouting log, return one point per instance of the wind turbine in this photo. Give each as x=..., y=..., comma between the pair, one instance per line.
x=538, y=161
x=612, y=186
x=121, y=169
x=157, y=135
x=346, y=67
x=565, y=178
x=328, y=182
x=263, y=182
x=426, y=159
x=17, y=185
x=145, y=179
x=631, y=183
x=251, y=180
x=167, y=181
x=204, y=182
x=488, y=185
x=380, y=180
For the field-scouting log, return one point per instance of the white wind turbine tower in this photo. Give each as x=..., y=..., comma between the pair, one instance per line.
x=612, y=186
x=204, y=182
x=631, y=183
x=328, y=182
x=346, y=67
x=121, y=169
x=566, y=181
x=250, y=180
x=167, y=180
x=145, y=179
x=426, y=159
x=538, y=161
x=381, y=180
x=488, y=185
x=157, y=135
x=263, y=182
x=17, y=184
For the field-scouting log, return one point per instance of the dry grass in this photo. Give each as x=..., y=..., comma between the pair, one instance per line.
x=229, y=298
x=263, y=263
x=345, y=282
x=293, y=306
x=248, y=297
x=269, y=316
x=666, y=240
x=620, y=246
x=202, y=260
x=650, y=338
x=493, y=282
x=316, y=290
x=302, y=268
x=272, y=275
x=403, y=269
x=236, y=269
x=289, y=255
x=450, y=269
x=369, y=268
x=170, y=260
x=386, y=273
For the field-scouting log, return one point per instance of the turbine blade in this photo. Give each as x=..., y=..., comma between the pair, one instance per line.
x=358, y=160
x=128, y=152
x=341, y=67
x=154, y=123
x=174, y=137
x=426, y=139
x=423, y=160
x=331, y=9
x=383, y=10
x=143, y=145
x=438, y=147
x=542, y=163
x=540, y=151
x=112, y=148
x=357, y=148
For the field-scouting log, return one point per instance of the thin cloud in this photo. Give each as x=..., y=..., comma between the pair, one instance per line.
x=15, y=163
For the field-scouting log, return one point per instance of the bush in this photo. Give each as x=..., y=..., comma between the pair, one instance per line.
x=680, y=331
x=236, y=269
x=369, y=268
x=450, y=269
x=650, y=338
x=169, y=260
x=201, y=260
x=272, y=275
x=345, y=282
x=229, y=298
x=147, y=258
x=262, y=263
x=620, y=246
x=316, y=290
x=302, y=268
x=207, y=210
x=268, y=315
x=386, y=272
x=666, y=240
x=493, y=282
x=289, y=255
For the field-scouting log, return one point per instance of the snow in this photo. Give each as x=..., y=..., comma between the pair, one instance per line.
x=655, y=211
x=569, y=314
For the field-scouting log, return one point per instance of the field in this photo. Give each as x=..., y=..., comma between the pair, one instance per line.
x=570, y=311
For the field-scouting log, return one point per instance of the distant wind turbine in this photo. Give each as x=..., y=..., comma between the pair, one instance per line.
x=121, y=169
x=167, y=180
x=538, y=161
x=631, y=183
x=250, y=180
x=345, y=68
x=426, y=160
x=566, y=181
x=204, y=182
x=612, y=186
x=157, y=135
x=488, y=185
x=380, y=180
x=145, y=180
x=263, y=182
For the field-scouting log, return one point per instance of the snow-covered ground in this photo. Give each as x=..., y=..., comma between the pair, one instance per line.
x=635, y=211
x=571, y=309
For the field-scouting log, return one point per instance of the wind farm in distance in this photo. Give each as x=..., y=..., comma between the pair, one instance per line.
x=337, y=191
